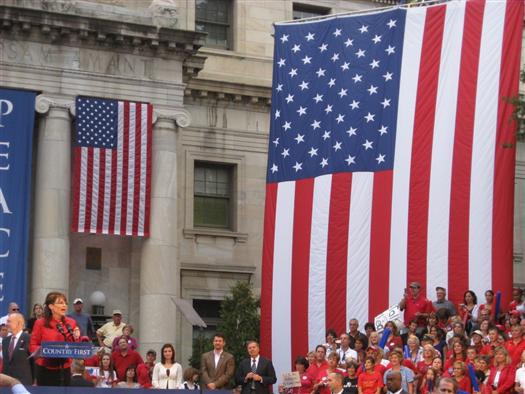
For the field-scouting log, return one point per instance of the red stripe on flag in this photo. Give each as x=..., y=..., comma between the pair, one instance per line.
x=113, y=192
x=422, y=145
x=89, y=190
x=337, y=251
x=148, y=171
x=380, y=243
x=302, y=226
x=267, y=269
x=503, y=202
x=458, y=253
x=77, y=156
x=101, y=186
x=138, y=165
x=125, y=163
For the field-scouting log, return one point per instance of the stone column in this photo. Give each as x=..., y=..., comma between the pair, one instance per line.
x=50, y=268
x=159, y=268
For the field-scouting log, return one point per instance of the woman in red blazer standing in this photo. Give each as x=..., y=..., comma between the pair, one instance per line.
x=502, y=373
x=53, y=327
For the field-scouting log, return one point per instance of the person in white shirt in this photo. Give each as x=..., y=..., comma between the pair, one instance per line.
x=167, y=374
x=345, y=352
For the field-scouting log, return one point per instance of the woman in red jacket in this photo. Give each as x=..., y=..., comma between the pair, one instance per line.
x=53, y=327
x=502, y=373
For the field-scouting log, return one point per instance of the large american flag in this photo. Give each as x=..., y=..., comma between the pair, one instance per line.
x=112, y=167
x=391, y=159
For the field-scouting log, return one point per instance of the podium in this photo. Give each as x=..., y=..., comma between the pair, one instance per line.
x=79, y=350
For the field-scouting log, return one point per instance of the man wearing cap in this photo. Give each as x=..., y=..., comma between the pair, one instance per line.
x=477, y=340
x=109, y=331
x=83, y=320
x=442, y=302
x=416, y=306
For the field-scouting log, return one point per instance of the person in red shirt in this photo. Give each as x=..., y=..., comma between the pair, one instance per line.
x=502, y=373
x=428, y=356
x=321, y=381
x=494, y=335
x=144, y=371
x=517, y=301
x=459, y=353
x=489, y=304
x=53, y=327
x=460, y=377
x=369, y=382
x=428, y=382
x=301, y=365
x=415, y=305
x=124, y=358
x=394, y=340
x=319, y=364
x=516, y=345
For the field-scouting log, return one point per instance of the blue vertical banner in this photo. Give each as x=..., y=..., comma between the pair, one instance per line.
x=17, y=115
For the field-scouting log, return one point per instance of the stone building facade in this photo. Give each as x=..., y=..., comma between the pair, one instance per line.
x=211, y=96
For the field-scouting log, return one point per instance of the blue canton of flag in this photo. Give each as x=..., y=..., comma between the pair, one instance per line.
x=96, y=122
x=335, y=95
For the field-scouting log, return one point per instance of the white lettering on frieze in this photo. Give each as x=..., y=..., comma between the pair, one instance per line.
x=6, y=107
x=4, y=253
x=4, y=156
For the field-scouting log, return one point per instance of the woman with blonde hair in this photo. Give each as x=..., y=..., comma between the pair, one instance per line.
x=502, y=372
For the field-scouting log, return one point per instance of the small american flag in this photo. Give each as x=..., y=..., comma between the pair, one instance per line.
x=112, y=167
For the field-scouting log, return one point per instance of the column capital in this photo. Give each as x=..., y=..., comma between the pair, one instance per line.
x=43, y=103
x=180, y=116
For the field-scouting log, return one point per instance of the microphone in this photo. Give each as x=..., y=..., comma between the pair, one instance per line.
x=70, y=331
x=60, y=329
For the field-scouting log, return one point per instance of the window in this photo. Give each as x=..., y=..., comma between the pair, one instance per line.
x=94, y=259
x=212, y=205
x=213, y=17
x=208, y=310
x=308, y=11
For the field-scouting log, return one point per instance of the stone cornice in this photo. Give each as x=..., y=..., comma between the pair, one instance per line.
x=202, y=89
x=69, y=29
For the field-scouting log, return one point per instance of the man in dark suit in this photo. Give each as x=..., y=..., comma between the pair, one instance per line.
x=393, y=383
x=15, y=351
x=255, y=374
x=217, y=366
x=77, y=375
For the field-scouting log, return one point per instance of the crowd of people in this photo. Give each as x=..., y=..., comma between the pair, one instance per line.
x=116, y=363
x=478, y=347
